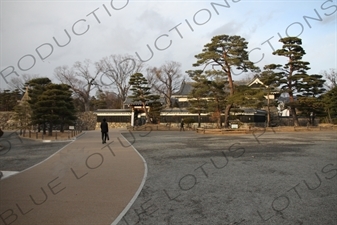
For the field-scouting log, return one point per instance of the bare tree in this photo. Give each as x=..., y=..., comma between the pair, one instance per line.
x=19, y=83
x=118, y=69
x=80, y=79
x=104, y=100
x=166, y=80
x=331, y=76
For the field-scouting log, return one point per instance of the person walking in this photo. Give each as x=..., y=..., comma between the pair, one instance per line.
x=182, y=125
x=104, y=131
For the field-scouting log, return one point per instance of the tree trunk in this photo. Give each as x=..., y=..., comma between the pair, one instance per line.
x=199, y=120
x=62, y=127
x=268, y=111
x=293, y=108
x=329, y=116
x=86, y=106
x=146, y=114
x=168, y=101
x=219, y=119
x=50, y=130
x=295, y=119
x=44, y=128
x=227, y=110
x=268, y=117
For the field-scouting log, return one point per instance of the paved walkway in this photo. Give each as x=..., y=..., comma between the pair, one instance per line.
x=86, y=182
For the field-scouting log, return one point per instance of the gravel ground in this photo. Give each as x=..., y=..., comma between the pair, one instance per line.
x=266, y=178
x=18, y=154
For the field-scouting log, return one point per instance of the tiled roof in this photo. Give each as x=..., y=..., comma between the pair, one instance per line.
x=185, y=88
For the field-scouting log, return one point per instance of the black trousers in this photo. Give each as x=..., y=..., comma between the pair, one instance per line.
x=104, y=136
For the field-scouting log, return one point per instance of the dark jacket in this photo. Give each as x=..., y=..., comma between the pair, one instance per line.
x=104, y=127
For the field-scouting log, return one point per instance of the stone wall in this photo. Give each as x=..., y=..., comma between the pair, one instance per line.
x=6, y=121
x=113, y=125
x=86, y=121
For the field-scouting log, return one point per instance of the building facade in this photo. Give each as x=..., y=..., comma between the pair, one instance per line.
x=133, y=114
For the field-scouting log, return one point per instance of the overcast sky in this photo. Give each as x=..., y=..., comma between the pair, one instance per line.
x=174, y=30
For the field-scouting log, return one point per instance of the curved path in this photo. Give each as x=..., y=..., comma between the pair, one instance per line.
x=86, y=182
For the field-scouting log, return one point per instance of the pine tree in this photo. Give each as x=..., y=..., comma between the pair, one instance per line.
x=308, y=102
x=51, y=104
x=230, y=53
x=56, y=106
x=310, y=107
x=156, y=108
x=197, y=99
x=246, y=96
x=292, y=76
x=330, y=104
x=209, y=94
x=141, y=91
x=36, y=87
x=269, y=79
x=313, y=85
